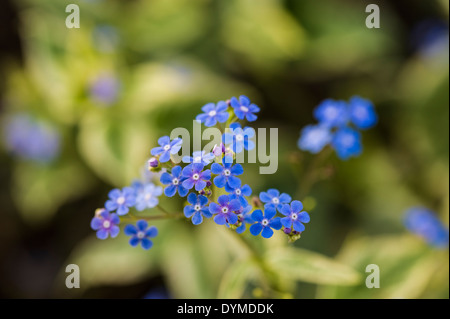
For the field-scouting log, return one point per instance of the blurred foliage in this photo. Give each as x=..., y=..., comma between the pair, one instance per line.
x=171, y=57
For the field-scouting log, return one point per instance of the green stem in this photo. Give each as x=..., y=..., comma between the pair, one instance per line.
x=163, y=210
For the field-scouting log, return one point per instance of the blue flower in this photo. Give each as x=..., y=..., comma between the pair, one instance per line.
x=121, y=200
x=197, y=209
x=239, y=193
x=225, y=210
x=213, y=114
x=105, y=89
x=199, y=157
x=105, y=223
x=194, y=175
x=347, y=143
x=423, y=222
x=175, y=182
x=314, y=138
x=273, y=199
x=294, y=216
x=362, y=113
x=141, y=233
x=245, y=217
x=32, y=140
x=265, y=222
x=166, y=148
x=227, y=173
x=239, y=138
x=332, y=113
x=147, y=196
x=243, y=108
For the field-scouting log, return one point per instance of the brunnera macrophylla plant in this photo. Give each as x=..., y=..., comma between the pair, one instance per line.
x=198, y=179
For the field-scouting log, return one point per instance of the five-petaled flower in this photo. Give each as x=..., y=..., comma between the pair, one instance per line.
x=294, y=216
x=166, y=147
x=141, y=233
x=147, y=197
x=121, y=200
x=194, y=175
x=199, y=157
x=105, y=223
x=265, y=222
x=227, y=173
x=175, y=183
x=243, y=108
x=347, y=143
x=238, y=138
x=239, y=193
x=273, y=199
x=314, y=138
x=362, y=113
x=197, y=209
x=213, y=113
x=332, y=113
x=224, y=210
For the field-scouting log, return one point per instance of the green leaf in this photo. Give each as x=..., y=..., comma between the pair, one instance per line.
x=236, y=279
x=303, y=265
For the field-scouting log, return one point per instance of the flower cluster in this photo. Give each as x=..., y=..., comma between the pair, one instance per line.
x=203, y=178
x=338, y=125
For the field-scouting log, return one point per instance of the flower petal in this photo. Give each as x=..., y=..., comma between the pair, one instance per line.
x=256, y=229
x=257, y=215
x=267, y=232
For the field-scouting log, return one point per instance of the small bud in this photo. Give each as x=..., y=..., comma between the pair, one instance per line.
x=217, y=150
x=153, y=163
x=98, y=211
x=208, y=183
x=202, y=192
x=287, y=230
x=256, y=202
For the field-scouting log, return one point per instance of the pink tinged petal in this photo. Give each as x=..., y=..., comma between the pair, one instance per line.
x=296, y=206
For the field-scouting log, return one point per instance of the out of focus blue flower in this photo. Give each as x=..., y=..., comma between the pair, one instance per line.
x=157, y=293
x=166, y=148
x=104, y=89
x=314, y=138
x=121, y=200
x=332, y=113
x=199, y=157
x=347, y=143
x=362, y=113
x=147, y=196
x=273, y=199
x=32, y=140
x=245, y=217
x=424, y=222
x=431, y=39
